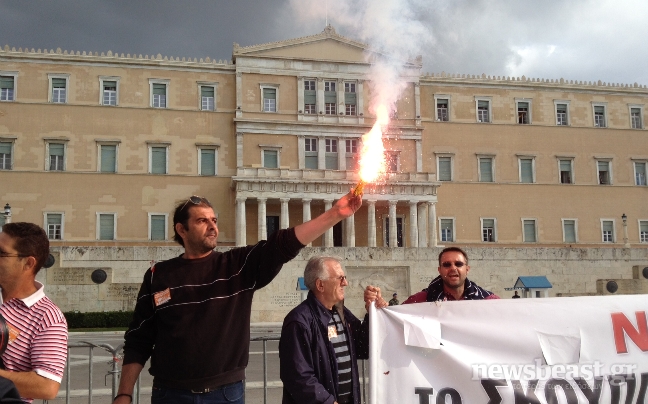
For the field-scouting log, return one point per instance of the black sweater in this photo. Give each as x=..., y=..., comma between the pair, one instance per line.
x=200, y=337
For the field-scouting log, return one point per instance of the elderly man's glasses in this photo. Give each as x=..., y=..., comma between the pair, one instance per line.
x=340, y=278
x=457, y=264
x=196, y=200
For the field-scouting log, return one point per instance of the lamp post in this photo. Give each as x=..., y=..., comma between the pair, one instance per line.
x=626, y=244
x=7, y=213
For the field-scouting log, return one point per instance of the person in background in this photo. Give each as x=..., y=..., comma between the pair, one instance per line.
x=452, y=282
x=394, y=300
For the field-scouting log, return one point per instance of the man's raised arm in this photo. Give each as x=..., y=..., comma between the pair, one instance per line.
x=343, y=208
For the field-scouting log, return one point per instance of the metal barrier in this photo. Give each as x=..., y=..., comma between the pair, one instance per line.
x=115, y=370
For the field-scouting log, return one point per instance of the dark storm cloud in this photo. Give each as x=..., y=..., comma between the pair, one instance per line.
x=577, y=39
x=193, y=28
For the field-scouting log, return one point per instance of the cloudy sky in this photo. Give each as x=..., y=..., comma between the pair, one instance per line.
x=573, y=39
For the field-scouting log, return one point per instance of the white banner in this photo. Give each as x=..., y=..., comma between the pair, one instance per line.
x=564, y=350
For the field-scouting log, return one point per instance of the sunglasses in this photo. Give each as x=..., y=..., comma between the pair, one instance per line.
x=457, y=264
x=6, y=254
x=196, y=200
x=341, y=278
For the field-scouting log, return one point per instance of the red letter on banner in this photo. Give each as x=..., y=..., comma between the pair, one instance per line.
x=639, y=336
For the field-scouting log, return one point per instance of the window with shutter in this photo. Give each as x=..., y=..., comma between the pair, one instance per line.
x=526, y=171
x=7, y=88
x=106, y=226
x=207, y=161
x=108, y=158
x=569, y=231
x=445, y=169
x=529, y=227
x=5, y=155
x=158, y=227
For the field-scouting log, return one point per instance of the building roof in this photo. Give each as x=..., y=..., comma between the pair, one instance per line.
x=533, y=282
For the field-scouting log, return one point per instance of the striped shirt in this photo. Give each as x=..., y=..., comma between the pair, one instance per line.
x=341, y=347
x=37, y=336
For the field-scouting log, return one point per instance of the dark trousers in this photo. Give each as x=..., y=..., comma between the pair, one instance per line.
x=226, y=394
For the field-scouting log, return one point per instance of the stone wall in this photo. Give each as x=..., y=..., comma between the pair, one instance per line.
x=572, y=271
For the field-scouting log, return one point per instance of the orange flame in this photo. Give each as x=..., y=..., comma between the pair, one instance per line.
x=372, y=154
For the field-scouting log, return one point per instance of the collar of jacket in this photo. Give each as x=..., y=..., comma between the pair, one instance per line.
x=435, y=291
x=322, y=313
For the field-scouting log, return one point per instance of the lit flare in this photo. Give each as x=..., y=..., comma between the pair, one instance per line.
x=372, y=154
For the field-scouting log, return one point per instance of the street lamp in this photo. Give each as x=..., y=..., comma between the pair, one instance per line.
x=626, y=244
x=7, y=213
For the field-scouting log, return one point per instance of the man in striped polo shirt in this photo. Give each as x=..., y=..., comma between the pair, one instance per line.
x=35, y=356
x=321, y=340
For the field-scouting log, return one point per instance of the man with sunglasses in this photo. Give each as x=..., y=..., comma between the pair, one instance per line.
x=34, y=359
x=192, y=316
x=452, y=282
x=321, y=340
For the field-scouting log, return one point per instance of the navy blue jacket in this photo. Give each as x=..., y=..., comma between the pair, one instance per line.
x=308, y=365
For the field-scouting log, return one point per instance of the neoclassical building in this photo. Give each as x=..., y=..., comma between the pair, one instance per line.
x=98, y=148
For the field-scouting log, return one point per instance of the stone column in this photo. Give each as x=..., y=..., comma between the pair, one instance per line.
x=359, y=94
x=328, y=234
x=240, y=222
x=283, y=220
x=432, y=237
x=349, y=224
x=413, y=216
x=342, y=154
x=301, y=152
x=321, y=153
x=393, y=236
x=261, y=222
x=371, y=227
x=423, y=225
x=306, y=215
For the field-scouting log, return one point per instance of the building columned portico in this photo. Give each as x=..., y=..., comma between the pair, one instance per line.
x=296, y=190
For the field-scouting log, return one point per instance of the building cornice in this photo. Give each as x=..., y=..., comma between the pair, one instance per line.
x=322, y=184
x=524, y=83
x=109, y=57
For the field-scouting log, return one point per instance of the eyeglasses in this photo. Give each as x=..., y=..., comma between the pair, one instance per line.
x=6, y=254
x=457, y=264
x=196, y=200
x=341, y=278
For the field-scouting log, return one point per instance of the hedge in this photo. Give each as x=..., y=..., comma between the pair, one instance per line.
x=105, y=319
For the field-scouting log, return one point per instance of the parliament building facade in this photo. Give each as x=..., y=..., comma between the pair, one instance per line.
x=99, y=148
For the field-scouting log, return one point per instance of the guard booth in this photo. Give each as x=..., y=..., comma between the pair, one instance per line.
x=301, y=287
x=532, y=286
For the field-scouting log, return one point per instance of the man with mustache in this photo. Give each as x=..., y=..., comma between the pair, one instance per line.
x=452, y=282
x=192, y=316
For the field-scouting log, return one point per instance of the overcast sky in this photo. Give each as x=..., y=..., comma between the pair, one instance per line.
x=573, y=39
